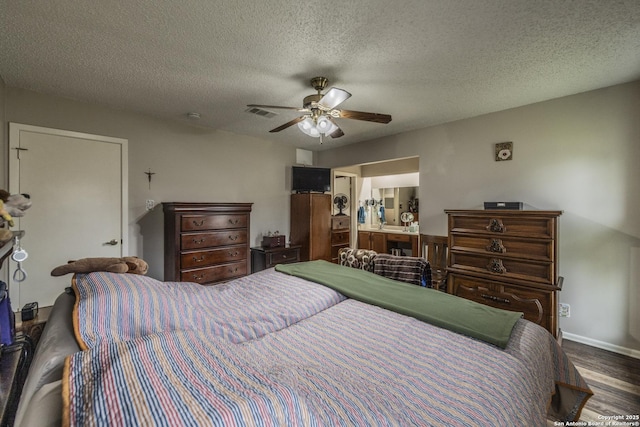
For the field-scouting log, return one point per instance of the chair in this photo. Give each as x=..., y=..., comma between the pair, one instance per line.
x=435, y=250
x=357, y=258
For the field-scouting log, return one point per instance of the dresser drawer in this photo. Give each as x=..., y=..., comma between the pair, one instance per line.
x=539, y=250
x=534, y=303
x=197, y=259
x=496, y=224
x=212, y=238
x=339, y=237
x=212, y=222
x=215, y=273
x=283, y=257
x=340, y=222
x=504, y=267
x=394, y=237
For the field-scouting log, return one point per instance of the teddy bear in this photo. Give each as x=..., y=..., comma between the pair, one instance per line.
x=12, y=206
x=128, y=264
x=16, y=204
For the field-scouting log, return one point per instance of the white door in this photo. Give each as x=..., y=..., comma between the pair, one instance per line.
x=77, y=183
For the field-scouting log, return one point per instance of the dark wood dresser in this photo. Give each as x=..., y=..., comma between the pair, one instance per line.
x=311, y=225
x=340, y=235
x=206, y=243
x=507, y=259
x=263, y=258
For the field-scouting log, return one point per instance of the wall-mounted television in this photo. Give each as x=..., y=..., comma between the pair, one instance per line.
x=309, y=179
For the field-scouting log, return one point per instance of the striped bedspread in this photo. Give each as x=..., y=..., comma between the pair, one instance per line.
x=271, y=349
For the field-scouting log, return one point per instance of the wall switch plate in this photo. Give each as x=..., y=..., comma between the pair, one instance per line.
x=150, y=204
x=565, y=310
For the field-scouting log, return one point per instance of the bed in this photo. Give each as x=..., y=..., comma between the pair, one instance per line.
x=282, y=347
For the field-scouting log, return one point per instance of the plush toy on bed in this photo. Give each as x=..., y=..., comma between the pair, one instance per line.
x=12, y=206
x=16, y=204
x=128, y=264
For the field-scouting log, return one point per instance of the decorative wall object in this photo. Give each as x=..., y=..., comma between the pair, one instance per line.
x=504, y=151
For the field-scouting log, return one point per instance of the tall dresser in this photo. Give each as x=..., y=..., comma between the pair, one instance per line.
x=206, y=243
x=507, y=259
x=311, y=225
x=340, y=235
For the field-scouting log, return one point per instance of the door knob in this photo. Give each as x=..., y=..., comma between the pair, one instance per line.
x=111, y=242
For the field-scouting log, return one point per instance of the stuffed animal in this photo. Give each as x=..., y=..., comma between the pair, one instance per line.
x=12, y=206
x=4, y=215
x=16, y=204
x=128, y=264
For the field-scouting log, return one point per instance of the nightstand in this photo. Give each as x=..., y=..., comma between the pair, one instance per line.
x=263, y=258
x=34, y=327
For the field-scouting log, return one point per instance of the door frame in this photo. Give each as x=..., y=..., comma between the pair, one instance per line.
x=14, y=170
x=353, y=206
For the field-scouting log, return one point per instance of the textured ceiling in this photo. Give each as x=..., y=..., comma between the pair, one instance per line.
x=424, y=62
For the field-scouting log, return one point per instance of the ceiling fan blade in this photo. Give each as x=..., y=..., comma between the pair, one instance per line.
x=369, y=117
x=277, y=107
x=336, y=133
x=333, y=98
x=286, y=125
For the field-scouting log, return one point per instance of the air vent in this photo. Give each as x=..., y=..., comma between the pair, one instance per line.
x=260, y=112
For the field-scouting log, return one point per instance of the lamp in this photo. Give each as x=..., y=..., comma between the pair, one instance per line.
x=317, y=127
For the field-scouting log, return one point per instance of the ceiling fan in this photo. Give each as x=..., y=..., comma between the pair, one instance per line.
x=319, y=112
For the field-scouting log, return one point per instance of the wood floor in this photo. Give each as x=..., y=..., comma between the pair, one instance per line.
x=613, y=378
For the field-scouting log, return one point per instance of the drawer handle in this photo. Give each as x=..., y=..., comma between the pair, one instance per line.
x=234, y=221
x=236, y=253
x=198, y=223
x=198, y=259
x=233, y=270
x=496, y=246
x=234, y=238
x=495, y=266
x=198, y=242
x=197, y=278
x=496, y=226
x=496, y=299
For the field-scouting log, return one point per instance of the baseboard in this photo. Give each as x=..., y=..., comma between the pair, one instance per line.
x=601, y=344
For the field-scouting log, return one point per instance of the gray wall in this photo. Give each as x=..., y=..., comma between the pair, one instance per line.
x=579, y=154
x=191, y=164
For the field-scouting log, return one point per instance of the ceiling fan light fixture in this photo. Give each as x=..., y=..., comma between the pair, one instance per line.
x=314, y=133
x=315, y=129
x=319, y=111
x=306, y=126
x=324, y=124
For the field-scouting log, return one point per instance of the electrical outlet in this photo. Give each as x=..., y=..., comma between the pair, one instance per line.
x=150, y=204
x=565, y=310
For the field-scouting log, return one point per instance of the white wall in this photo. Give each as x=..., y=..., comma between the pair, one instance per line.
x=191, y=164
x=579, y=154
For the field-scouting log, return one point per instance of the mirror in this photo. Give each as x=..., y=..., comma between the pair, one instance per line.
x=395, y=201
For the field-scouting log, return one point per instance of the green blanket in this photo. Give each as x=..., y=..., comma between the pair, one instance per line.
x=440, y=309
